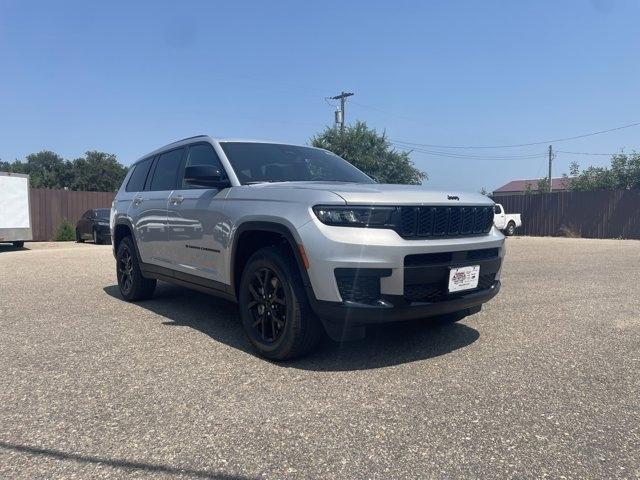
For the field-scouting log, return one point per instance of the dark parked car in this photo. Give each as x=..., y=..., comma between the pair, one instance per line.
x=94, y=225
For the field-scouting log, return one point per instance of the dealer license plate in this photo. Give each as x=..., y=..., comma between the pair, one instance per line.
x=463, y=278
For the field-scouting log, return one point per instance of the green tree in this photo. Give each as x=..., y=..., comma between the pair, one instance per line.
x=97, y=171
x=622, y=174
x=46, y=169
x=370, y=152
x=543, y=185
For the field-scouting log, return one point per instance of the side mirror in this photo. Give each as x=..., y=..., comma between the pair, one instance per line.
x=204, y=176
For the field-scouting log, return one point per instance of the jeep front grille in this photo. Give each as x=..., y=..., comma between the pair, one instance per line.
x=426, y=222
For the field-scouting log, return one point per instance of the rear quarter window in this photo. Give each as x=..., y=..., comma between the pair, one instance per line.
x=138, y=176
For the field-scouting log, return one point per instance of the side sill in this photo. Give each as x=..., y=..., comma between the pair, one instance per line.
x=193, y=282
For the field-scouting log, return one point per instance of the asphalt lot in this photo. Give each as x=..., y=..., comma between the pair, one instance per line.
x=545, y=381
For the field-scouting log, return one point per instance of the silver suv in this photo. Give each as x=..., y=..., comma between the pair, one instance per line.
x=302, y=240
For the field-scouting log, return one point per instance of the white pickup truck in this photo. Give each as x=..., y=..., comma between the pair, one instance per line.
x=506, y=222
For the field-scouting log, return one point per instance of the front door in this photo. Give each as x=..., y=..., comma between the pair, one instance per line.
x=196, y=220
x=149, y=209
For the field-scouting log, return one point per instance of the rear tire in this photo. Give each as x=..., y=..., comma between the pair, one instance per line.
x=510, y=230
x=79, y=238
x=274, y=308
x=133, y=286
x=18, y=244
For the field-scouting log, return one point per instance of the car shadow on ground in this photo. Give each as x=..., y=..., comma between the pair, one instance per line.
x=7, y=247
x=384, y=345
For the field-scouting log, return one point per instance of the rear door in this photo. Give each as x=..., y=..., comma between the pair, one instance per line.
x=149, y=208
x=196, y=220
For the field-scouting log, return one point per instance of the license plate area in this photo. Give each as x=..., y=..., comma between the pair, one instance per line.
x=463, y=278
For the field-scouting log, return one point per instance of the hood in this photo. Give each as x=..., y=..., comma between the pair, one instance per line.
x=385, y=194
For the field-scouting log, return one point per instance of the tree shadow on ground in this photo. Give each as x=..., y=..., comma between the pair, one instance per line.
x=130, y=466
x=384, y=345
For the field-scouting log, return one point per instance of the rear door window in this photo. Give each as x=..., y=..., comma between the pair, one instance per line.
x=138, y=176
x=165, y=175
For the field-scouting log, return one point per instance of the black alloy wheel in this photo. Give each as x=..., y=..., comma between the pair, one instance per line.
x=268, y=305
x=133, y=286
x=274, y=308
x=125, y=270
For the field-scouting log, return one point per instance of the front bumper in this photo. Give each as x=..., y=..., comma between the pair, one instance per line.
x=396, y=308
x=407, y=279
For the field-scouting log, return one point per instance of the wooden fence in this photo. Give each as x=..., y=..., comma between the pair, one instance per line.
x=602, y=214
x=50, y=207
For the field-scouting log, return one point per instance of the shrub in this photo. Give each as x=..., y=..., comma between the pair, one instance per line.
x=569, y=231
x=65, y=232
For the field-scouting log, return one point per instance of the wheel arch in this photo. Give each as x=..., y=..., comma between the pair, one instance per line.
x=122, y=229
x=245, y=243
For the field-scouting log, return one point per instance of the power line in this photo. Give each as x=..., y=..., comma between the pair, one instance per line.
x=467, y=156
x=589, y=153
x=565, y=139
x=464, y=155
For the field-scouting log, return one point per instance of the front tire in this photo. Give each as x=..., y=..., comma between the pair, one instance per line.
x=18, y=244
x=96, y=237
x=511, y=229
x=79, y=238
x=133, y=286
x=274, y=308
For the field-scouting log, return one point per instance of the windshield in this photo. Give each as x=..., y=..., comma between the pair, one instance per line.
x=103, y=213
x=270, y=162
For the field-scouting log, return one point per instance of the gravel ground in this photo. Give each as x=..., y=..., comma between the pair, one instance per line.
x=545, y=381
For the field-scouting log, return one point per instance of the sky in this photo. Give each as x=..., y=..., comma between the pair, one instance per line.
x=128, y=77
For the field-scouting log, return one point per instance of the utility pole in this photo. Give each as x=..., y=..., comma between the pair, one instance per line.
x=340, y=113
x=550, y=161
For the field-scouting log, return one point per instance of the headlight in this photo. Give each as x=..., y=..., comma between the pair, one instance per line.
x=376, y=217
x=103, y=222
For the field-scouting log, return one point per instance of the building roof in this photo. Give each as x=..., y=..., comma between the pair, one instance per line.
x=521, y=185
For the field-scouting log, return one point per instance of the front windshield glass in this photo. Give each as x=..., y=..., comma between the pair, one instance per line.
x=103, y=213
x=270, y=162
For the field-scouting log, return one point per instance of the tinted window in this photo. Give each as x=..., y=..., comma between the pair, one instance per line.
x=269, y=162
x=166, y=173
x=103, y=213
x=139, y=175
x=202, y=154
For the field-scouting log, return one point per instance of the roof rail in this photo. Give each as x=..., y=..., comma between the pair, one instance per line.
x=183, y=139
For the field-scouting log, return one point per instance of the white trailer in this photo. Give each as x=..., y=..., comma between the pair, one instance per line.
x=15, y=212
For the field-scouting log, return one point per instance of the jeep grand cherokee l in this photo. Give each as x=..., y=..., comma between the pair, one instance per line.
x=301, y=239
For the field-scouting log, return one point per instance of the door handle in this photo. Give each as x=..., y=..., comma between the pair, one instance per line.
x=137, y=201
x=177, y=200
